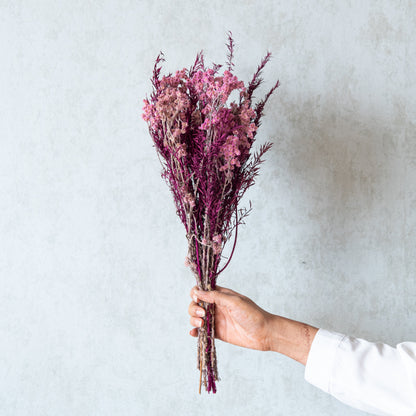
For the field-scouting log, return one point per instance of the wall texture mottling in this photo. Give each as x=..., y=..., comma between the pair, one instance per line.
x=94, y=291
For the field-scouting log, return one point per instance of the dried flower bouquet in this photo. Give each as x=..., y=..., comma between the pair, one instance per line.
x=205, y=145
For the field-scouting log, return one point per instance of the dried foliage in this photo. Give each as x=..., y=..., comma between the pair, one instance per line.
x=205, y=144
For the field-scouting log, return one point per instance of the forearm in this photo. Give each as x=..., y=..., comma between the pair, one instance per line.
x=291, y=338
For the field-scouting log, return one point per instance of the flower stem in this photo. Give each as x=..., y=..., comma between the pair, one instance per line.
x=235, y=241
x=200, y=372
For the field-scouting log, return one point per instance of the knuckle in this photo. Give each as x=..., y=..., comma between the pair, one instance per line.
x=243, y=298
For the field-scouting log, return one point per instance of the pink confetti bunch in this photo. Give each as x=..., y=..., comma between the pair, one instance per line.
x=204, y=143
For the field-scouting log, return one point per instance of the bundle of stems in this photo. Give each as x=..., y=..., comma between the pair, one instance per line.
x=204, y=144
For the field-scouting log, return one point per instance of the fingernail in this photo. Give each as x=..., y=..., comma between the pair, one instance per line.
x=195, y=299
x=200, y=323
x=200, y=312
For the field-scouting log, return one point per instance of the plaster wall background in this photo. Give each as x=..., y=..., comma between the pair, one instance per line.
x=93, y=289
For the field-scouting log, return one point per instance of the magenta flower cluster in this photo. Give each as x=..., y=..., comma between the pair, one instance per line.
x=211, y=92
x=204, y=141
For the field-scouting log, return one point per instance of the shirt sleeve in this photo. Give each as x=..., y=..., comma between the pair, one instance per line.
x=373, y=377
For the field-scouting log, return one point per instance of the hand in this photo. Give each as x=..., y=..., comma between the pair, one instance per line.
x=238, y=320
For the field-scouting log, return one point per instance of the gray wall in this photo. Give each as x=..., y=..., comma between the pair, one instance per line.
x=94, y=291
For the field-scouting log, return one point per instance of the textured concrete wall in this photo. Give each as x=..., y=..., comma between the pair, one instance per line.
x=93, y=290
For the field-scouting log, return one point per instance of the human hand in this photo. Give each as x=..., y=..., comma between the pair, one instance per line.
x=238, y=320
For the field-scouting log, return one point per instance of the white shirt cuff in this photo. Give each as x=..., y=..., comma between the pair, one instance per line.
x=321, y=358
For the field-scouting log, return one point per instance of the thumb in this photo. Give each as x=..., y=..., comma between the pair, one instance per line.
x=212, y=296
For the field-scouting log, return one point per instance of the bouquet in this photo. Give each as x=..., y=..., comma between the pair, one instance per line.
x=204, y=144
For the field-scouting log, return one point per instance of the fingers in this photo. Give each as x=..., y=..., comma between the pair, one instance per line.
x=219, y=289
x=197, y=322
x=193, y=295
x=219, y=296
x=195, y=310
x=196, y=313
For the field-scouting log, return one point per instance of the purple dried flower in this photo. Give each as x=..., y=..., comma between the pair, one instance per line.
x=205, y=147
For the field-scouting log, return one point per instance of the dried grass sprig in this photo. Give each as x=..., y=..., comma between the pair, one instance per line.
x=204, y=144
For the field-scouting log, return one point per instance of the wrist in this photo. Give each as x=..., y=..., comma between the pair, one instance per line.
x=291, y=338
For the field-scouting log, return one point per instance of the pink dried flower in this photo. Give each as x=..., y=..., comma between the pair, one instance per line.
x=205, y=146
x=217, y=238
x=217, y=246
x=191, y=264
x=189, y=200
x=217, y=249
x=147, y=110
x=181, y=150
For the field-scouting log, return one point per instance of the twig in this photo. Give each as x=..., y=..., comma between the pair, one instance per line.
x=235, y=241
x=200, y=371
